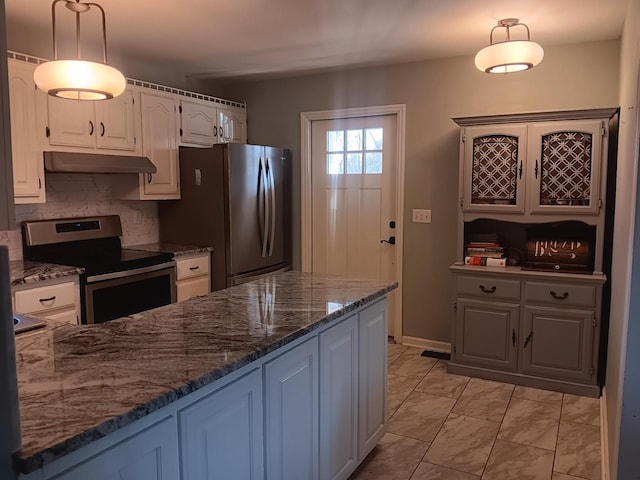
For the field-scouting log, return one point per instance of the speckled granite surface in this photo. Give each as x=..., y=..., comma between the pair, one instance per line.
x=177, y=250
x=79, y=383
x=22, y=271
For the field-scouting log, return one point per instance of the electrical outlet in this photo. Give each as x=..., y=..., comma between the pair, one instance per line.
x=137, y=217
x=421, y=216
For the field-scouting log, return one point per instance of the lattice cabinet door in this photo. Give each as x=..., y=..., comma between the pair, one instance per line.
x=564, y=167
x=494, y=168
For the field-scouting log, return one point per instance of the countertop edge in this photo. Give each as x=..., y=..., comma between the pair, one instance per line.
x=26, y=465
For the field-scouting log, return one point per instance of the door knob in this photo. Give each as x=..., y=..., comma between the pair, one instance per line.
x=391, y=241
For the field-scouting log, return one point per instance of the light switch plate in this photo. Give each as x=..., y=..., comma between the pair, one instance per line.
x=421, y=216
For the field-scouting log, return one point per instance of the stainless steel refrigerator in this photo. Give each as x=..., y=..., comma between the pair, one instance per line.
x=235, y=198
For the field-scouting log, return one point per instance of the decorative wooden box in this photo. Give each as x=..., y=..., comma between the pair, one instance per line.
x=559, y=250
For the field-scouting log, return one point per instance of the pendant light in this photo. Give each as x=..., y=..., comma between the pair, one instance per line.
x=510, y=55
x=79, y=79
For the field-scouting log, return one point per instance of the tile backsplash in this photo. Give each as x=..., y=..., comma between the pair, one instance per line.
x=78, y=195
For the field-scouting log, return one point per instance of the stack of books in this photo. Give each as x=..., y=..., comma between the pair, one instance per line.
x=490, y=254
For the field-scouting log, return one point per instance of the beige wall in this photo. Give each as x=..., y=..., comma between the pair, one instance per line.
x=626, y=198
x=433, y=92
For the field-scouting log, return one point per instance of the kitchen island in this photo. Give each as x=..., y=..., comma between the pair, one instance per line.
x=140, y=396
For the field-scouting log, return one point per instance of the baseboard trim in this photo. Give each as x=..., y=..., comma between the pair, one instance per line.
x=604, y=443
x=433, y=345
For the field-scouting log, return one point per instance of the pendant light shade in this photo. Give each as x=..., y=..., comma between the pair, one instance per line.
x=510, y=55
x=76, y=78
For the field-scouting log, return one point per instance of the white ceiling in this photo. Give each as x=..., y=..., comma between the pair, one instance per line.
x=202, y=39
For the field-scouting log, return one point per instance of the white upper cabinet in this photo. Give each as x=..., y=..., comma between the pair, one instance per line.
x=117, y=122
x=205, y=123
x=198, y=123
x=28, y=165
x=232, y=125
x=159, y=144
x=103, y=125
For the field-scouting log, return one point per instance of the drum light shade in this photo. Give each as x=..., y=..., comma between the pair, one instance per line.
x=79, y=80
x=76, y=78
x=510, y=55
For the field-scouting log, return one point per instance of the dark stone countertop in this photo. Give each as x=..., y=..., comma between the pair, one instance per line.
x=177, y=250
x=78, y=383
x=23, y=271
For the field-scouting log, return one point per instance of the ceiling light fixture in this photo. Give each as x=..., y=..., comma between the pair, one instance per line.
x=510, y=55
x=79, y=79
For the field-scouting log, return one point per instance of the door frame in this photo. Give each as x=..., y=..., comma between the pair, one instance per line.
x=306, y=120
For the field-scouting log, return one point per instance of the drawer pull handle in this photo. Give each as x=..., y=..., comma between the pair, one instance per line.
x=513, y=336
x=528, y=339
x=50, y=299
x=193, y=268
x=559, y=297
x=488, y=290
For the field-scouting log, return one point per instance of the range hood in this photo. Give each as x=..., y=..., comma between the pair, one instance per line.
x=72, y=162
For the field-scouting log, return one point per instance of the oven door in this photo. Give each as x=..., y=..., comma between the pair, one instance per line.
x=114, y=295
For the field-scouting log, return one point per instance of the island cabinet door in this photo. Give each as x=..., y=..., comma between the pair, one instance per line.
x=151, y=454
x=339, y=400
x=291, y=409
x=221, y=435
x=372, y=381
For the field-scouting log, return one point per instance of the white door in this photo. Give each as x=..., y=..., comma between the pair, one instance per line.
x=353, y=176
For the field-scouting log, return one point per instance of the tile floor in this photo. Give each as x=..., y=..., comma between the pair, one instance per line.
x=450, y=427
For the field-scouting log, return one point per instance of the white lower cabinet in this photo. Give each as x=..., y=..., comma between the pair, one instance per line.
x=55, y=300
x=372, y=375
x=150, y=454
x=291, y=414
x=339, y=400
x=221, y=435
x=311, y=411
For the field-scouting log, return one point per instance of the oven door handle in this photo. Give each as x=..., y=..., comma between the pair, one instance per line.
x=130, y=273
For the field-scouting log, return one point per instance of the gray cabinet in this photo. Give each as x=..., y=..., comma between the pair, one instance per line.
x=558, y=343
x=486, y=333
x=541, y=329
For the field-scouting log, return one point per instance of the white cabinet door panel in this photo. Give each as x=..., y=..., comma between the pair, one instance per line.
x=71, y=123
x=373, y=376
x=115, y=120
x=148, y=455
x=221, y=435
x=291, y=383
x=339, y=400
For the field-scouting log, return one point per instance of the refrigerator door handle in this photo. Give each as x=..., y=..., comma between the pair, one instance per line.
x=272, y=191
x=264, y=225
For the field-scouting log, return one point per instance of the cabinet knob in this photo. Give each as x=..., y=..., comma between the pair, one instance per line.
x=528, y=339
x=215, y=131
x=194, y=268
x=45, y=300
x=91, y=128
x=101, y=129
x=149, y=177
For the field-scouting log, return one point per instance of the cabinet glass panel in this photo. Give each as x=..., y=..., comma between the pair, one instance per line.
x=565, y=168
x=494, y=170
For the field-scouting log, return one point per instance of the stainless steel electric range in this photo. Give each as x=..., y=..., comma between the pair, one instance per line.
x=117, y=281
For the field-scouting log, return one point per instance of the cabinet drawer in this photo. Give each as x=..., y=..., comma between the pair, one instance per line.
x=192, y=287
x=192, y=267
x=45, y=298
x=551, y=293
x=488, y=288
